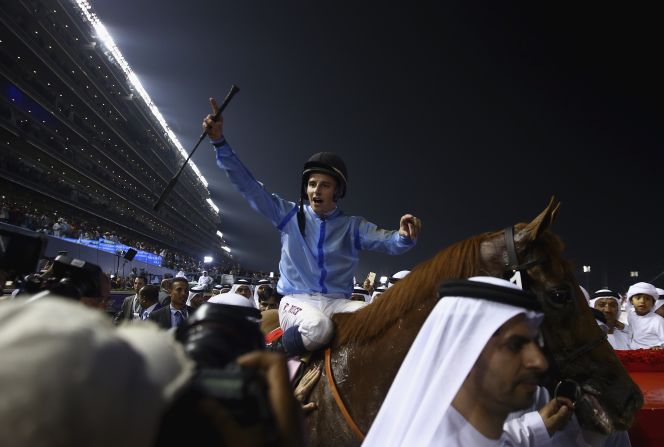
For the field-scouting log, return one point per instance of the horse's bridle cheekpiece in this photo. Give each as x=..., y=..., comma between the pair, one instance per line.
x=513, y=266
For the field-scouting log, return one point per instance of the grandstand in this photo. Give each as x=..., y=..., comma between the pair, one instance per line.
x=77, y=130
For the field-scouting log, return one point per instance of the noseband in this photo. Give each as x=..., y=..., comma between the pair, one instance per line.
x=520, y=276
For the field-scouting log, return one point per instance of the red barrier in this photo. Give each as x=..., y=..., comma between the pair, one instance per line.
x=646, y=367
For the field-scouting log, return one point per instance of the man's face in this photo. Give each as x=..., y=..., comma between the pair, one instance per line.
x=144, y=301
x=320, y=191
x=642, y=303
x=197, y=300
x=506, y=375
x=179, y=293
x=138, y=284
x=264, y=291
x=166, y=284
x=268, y=303
x=243, y=290
x=609, y=307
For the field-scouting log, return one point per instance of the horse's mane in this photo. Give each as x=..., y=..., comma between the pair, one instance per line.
x=417, y=290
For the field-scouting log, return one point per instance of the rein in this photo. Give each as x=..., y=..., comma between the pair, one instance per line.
x=578, y=352
x=337, y=397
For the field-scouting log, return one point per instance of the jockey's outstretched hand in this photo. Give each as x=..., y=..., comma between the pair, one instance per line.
x=410, y=226
x=303, y=389
x=214, y=129
x=556, y=414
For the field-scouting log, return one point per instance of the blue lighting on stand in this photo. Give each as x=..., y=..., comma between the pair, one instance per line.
x=114, y=247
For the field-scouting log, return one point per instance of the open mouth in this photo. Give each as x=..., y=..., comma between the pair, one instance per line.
x=591, y=410
x=317, y=201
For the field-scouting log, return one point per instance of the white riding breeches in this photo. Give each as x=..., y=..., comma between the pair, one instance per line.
x=311, y=313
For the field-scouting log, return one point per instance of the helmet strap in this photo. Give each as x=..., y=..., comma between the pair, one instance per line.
x=300, y=216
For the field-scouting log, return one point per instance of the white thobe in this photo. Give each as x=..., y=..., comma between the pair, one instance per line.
x=620, y=339
x=647, y=330
x=455, y=430
x=526, y=429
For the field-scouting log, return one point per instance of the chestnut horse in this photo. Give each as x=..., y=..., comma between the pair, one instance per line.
x=371, y=343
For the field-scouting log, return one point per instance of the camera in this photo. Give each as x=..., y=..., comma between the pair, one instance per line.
x=214, y=336
x=67, y=277
x=241, y=391
x=20, y=250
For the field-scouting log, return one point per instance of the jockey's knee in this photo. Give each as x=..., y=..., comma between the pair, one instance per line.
x=316, y=333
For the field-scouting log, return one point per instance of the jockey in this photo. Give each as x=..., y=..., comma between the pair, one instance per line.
x=320, y=244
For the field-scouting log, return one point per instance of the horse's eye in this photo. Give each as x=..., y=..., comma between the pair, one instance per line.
x=559, y=297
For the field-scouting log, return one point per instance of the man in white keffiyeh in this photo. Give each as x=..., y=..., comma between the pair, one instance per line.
x=475, y=360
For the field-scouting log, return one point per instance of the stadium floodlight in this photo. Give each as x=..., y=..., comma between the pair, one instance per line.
x=211, y=203
x=226, y=248
x=109, y=43
x=207, y=259
x=220, y=234
x=383, y=279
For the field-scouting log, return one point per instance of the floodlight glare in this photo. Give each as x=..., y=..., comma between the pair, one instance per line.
x=226, y=248
x=220, y=234
x=214, y=207
x=207, y=259
x=109, y=43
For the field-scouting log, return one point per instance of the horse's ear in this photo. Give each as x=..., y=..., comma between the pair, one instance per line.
x=539, y=225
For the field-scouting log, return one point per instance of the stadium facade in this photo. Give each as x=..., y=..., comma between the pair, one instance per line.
x=77, y=130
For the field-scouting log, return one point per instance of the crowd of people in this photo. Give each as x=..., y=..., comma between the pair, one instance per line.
x=53, y=222
x=198, y=359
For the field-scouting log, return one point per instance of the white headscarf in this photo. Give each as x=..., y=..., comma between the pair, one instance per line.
x=232, y=299
x=358, y=290
x=261, y=282
x=396, y=277
x=197, y=290
x=66, y=371
x=444, y=352
x=242, y=283
x=377, y=291
x=642, y=287
x=660, y=301
x=609, y=294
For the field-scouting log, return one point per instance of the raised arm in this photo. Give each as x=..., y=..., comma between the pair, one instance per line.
x=271, y=206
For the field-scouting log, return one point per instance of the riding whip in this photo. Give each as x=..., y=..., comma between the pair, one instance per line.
x=234, y=89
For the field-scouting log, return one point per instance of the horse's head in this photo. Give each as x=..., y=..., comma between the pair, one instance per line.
x=608, y=398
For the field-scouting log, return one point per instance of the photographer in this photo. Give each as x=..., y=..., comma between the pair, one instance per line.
x=240, y=395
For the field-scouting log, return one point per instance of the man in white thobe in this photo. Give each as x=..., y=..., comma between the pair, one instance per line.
x=475, y=361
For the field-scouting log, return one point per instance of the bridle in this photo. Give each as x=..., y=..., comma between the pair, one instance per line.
x=519, y=275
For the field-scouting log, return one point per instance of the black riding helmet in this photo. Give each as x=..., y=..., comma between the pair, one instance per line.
x=327, y=163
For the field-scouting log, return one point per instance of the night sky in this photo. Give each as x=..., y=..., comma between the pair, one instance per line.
x=468, y=116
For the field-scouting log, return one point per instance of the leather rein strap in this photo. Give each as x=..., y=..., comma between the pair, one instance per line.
x=512, y=258
x=512, y=264
x=337, y=397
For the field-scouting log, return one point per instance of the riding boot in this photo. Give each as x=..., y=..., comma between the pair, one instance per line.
x=292, y=342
